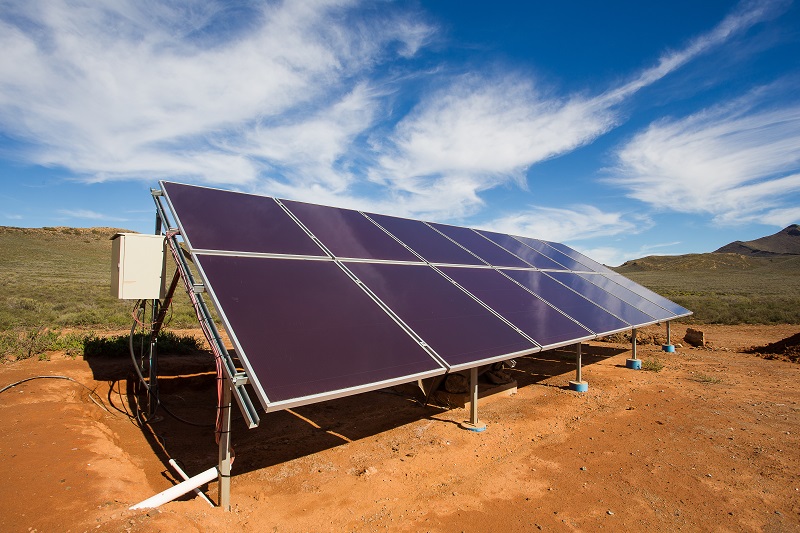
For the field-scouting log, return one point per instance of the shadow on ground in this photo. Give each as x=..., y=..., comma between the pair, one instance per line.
x=183, y=426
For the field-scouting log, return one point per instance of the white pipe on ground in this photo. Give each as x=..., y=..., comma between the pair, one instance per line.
x=185, y=477
x=178, y=490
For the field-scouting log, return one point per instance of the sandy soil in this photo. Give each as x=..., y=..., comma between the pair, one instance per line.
x=711, y=442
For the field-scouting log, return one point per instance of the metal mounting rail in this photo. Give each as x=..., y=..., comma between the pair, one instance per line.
x=236, y=378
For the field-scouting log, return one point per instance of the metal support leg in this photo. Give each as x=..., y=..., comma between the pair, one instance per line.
x=473, y=424
x=578, y=385
x=668, y=347
x=225, y=448
x=633, y=363
x=152, y=367
x=473, y=396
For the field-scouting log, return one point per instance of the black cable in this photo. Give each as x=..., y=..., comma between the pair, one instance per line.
x=100, y=404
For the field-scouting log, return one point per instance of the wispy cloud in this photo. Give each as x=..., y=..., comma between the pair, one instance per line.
x=743, y=17
x=580, y=222
x=292, y=99
x=12, y=216
x=477, y=133
x=88, y=214
x=739, y=162
x=152, y=89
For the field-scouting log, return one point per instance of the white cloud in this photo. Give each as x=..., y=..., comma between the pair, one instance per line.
x=477, y=133
x=12, y=216
x=88, y=214
x=736, y=162
x=283, y=98
x=147, y=89
x=577, y=223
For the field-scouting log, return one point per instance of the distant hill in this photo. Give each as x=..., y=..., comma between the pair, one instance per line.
x=785, y=242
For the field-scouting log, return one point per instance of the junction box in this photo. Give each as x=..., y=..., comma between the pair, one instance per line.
x=138, y=264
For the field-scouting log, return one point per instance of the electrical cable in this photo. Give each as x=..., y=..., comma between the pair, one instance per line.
x=91, y=392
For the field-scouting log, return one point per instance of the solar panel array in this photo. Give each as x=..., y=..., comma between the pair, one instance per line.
x=321, y=302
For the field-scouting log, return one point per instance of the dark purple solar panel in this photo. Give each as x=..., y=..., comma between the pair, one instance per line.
x=636, y=300
x=305, y=328
x=425, y=241
x=458, y=328
x=481, y=246
x=604, y=299
x=554, y=254
x=533, y=316
x=591, y=264
x=572, y=303
x=520, y=250
x=221, y=220
x=644, y=292
x=629, y=296
x=348, y=233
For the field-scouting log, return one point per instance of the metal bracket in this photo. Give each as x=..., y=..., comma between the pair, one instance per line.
x=240, y=378
x=199, y=288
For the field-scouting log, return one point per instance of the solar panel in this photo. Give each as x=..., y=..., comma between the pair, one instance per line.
x=221, y=220
x=522, y=251
x=545, y=324
x=348, y=233
x=636, y=300
x=546, y=250
x=426, y=241
x=308, y=326
x=490, y=252
x=592, y=316
x=590, y=264
x=604, y=299
x=457, y=327
x=650, y=295
x=307, y=329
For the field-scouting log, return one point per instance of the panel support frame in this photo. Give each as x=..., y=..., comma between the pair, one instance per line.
x=224, y=476
x=236, y=378
x=474, y=424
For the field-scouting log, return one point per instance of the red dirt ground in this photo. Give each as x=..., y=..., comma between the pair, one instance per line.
x=711, y=442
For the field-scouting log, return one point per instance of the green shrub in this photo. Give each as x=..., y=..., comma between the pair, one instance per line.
x=653, y=364
x=118, y=345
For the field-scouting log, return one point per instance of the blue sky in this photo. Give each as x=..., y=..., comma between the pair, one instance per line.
x=621, y=128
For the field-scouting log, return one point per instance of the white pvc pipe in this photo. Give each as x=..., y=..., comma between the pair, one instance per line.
x=178, y=490
x=185, y=477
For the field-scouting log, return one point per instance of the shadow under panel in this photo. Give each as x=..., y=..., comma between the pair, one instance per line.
x=222, y=220
x=305, y=328
x=458, y=328
x=544, y=324
x=584, y=311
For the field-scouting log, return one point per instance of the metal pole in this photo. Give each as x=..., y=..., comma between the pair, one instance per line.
x=668, y=333
x=633, y=342
x=152, y=394
x=225, y=447
x=473, y=402
x=578, y=377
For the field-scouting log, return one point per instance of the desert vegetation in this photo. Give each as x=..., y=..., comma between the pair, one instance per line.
x=55, y=290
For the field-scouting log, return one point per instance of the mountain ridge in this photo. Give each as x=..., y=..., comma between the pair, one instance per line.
x=784, y=242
